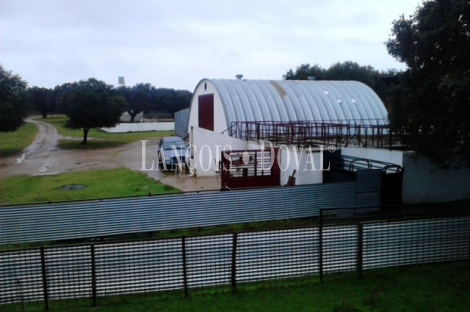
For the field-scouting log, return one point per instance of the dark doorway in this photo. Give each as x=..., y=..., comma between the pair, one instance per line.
x=206, y=111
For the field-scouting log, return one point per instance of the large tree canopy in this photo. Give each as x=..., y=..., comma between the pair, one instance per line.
x=12, y=100
x=89, y=104
x=433, y=101
x=143, y=97
x=139, y=98
x=41, y=100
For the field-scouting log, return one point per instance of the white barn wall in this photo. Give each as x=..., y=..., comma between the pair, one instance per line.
x=220, y=123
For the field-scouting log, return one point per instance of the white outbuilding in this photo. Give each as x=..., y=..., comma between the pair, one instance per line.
x=219, y=104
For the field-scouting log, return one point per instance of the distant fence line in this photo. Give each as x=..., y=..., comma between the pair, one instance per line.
x=93, y=271
x=90, y=219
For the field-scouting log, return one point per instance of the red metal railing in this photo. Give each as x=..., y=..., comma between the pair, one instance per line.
x=365, y=133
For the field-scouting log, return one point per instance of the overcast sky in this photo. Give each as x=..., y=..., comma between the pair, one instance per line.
x=175, y=43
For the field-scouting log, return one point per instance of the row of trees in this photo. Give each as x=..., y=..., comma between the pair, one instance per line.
x=143, y=97
x=88, y=103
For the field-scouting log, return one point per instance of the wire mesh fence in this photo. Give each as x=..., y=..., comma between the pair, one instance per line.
x=60, y=277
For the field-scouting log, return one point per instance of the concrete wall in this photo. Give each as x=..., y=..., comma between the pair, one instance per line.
x=424, y=183
x=307, y=166
x=394, y=157
x=206, y=147
x=141, y=127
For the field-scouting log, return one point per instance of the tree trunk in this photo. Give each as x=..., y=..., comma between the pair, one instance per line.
x=132, y=117
x=85, y=135
x=44, y=114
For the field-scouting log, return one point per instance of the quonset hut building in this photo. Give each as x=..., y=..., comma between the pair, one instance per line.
x=275, y=130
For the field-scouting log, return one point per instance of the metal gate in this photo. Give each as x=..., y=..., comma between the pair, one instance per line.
x=249, y=168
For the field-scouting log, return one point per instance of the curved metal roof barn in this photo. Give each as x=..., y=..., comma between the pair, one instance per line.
x=298, y=100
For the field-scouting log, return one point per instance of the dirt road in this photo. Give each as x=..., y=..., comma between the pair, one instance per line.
x=44, y=157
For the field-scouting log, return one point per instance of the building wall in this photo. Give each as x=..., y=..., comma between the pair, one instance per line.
x=181, y=122
x=301, y=161
x=206, y=87
x=207, y=146
x=394, y=157
x=424, y=183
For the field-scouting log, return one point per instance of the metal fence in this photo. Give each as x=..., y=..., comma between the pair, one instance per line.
x=72, y=220
x=366, y=133
x=49, y=276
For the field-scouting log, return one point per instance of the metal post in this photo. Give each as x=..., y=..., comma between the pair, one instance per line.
x=360, y=229
x=234, y=263
x=256, y=163
x=320, y=246
x=93, y=275
x=44, y=280
x=185, y=269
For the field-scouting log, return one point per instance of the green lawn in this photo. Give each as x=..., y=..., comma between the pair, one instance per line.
x=98, y=138
x=429, y=288
x=98, y=184
x=14, y=142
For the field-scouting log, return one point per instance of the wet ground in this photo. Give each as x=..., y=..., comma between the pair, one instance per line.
x=43, y=157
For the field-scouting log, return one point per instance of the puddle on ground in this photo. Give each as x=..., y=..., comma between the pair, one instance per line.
x=74, y=187
x=20, y=159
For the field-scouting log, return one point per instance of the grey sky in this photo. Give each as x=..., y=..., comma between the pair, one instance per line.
x=174, y=44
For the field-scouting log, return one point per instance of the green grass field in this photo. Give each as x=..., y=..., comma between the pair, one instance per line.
x=427, y=288
x=98, y=184
x=98, y=138
x=12, y=143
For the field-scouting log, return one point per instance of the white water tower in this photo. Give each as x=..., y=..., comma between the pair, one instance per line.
x=121, y=82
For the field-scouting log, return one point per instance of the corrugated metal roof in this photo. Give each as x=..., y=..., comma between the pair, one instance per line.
x=298, y=100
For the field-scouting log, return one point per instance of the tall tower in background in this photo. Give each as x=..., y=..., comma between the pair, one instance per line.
x=121, y=82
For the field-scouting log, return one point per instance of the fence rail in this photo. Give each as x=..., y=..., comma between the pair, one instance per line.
x=366, y=133
x=48, y=275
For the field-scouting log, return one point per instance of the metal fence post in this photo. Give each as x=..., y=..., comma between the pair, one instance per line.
x=93, y=275
x=360, y=242
x=234, y=262
x=44, y=280
x=320, y=246
x=185, y=269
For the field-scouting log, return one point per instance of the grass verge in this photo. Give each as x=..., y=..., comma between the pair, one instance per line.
x=431, y=288
x=98, y=138
x=97, y=185
x=12, y=143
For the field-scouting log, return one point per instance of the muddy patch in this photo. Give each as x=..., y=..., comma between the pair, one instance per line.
x=73, y=187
